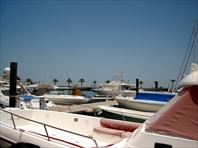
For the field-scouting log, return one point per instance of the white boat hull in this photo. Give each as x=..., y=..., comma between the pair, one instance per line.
x=126, y=114
x=4, y=100
x=66, y=99
x=13, y=136
x=58, y=129
x=150, y=106
x=111, y=92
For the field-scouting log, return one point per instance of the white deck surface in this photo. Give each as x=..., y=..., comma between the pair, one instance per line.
x=63, y=136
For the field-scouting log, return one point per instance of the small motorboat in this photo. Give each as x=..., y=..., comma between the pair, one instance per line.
x=145, y=101
x=59, y=129
x=66, y=99
x=25, y=101
x=62, y=99
x=124, y=114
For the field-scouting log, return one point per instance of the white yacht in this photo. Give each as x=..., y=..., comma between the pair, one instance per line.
x=116, y=87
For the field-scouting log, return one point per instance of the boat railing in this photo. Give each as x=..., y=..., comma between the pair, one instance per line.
x=45, y=127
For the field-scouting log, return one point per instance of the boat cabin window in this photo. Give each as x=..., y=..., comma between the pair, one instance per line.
x=162, y=145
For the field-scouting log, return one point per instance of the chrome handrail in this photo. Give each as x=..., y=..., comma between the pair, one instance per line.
x=13, y=114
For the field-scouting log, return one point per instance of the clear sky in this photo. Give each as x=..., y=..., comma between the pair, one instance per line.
x=95, y=39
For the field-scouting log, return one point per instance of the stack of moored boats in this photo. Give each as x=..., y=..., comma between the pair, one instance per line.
x=59, y=129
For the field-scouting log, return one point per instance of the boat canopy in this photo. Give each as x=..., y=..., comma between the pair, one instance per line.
x=163, y=97
x=179, y=117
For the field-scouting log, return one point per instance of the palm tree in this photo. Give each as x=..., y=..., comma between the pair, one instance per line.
x=55, y=81
x=29, y=81
x=94, y=82
x=81, y=81
x=69, y=81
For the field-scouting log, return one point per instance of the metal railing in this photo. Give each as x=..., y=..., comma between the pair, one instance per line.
x=45, y=127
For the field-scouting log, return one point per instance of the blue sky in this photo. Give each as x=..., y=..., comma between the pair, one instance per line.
x=96, y=39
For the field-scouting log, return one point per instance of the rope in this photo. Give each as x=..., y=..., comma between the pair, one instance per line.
x=188, y=53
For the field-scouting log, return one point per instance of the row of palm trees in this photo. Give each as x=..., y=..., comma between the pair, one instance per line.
x=69, y=81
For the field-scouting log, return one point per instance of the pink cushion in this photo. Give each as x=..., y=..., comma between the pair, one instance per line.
x=119, y=125
x=108, y=131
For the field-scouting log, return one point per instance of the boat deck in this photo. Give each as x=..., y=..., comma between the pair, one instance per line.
x=59, y=136
x=103, y=138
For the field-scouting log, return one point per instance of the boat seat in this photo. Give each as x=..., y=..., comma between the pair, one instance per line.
x=109, y=131
x=119, y=125
x=114, y=132
x=118, y=128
